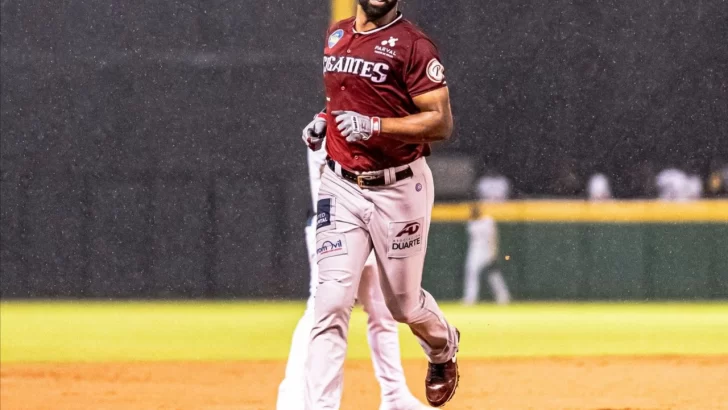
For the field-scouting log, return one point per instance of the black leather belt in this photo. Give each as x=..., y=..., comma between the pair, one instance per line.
x=366, y=180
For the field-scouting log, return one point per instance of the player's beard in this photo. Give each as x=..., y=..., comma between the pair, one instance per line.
x=373, y=12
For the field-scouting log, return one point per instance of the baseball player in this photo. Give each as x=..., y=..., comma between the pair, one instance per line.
x=386, y=101
x=598, y=188
x=671, y=183
x=718, y=181
x=483, y=245
x=693, y=188
x=382, y=332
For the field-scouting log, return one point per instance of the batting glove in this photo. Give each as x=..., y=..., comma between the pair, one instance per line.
x=315, y=132
x=357, y=127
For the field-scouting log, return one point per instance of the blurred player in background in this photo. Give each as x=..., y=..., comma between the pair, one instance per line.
x=483, y=244
x=382, y=332
x=718, y=181
x=598, y=188
x=675, y=185
x=693, y=187
x=386, y=100
x=671, y=184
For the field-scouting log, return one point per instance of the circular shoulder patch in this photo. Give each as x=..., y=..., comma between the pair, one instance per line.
x=335, y=37
x=435, y=71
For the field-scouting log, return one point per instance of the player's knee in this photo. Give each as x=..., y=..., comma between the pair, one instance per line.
x=378, y=315
x=332, y=302
x=400, y=313
x=402, y=317
x=406, y=308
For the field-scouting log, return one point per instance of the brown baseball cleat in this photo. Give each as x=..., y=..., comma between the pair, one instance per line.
x=442, y=380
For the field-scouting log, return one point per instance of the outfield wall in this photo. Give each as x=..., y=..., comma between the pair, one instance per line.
x=572, y=250
x=581, y=251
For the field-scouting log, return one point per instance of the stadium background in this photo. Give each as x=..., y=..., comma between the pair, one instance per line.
x=151, y=151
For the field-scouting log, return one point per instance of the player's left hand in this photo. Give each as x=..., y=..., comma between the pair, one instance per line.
x=315, y=132
x=357, y=127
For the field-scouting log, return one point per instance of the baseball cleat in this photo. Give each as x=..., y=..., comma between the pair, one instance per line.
x=442, y=380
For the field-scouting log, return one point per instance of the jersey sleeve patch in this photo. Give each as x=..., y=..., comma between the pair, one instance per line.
x=426, y=72
x=435, y=71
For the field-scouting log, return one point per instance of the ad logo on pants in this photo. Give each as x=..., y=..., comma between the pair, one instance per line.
x=409, y=229
x=405, y=238
x=325, y=214
x=331, y=246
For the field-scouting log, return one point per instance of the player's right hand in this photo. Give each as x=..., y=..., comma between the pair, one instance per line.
x=315, y=132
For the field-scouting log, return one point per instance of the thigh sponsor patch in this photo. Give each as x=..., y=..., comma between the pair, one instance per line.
x=325, y=214
x=405, y=238
x=332, y=246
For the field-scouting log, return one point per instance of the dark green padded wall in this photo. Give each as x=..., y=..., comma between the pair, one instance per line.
x=591, y=261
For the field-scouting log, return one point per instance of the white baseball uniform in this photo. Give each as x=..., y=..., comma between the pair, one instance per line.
x=671, y=184
x=482, y=254
x=693, y=187
x=483, y=244
x=493, y=188
x=598, y=188
x=382, y=332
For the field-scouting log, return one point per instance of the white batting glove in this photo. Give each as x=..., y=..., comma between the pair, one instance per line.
x=315, y=132
x=357, y=127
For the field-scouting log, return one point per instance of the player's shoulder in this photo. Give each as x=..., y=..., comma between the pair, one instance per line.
x=342, y=24
x=412, y=31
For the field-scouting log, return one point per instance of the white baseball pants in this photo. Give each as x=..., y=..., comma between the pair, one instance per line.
x=382, y=334
x=393, y=220
x=482, y=254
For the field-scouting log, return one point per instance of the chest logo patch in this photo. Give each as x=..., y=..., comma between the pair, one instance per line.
x=335, y=37
x=385, y=49
x=435, y=71
x=392, y=41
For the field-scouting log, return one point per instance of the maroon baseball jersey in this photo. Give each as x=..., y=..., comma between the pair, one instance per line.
x=377, y=73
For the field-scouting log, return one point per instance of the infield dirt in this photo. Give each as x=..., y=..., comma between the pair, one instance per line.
x=589, y=383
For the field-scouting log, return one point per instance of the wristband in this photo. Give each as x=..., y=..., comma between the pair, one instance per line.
x=376, y=127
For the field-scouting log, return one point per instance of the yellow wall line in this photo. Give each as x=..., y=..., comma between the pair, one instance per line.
x=584, y=211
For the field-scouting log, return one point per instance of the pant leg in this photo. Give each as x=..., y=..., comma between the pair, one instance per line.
x=495, y=278
x=383, y=337
x=342, y=247
x=499, y=287
x=291, y=389
x=474, y=264
x=398, y=227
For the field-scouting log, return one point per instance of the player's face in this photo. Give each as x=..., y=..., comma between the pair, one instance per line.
x=376, y=9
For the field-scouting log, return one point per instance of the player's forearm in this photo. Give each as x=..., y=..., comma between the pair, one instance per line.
x=424, y=127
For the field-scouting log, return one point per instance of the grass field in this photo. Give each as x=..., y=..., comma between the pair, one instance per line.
x=38, y=336
x=143, y=331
